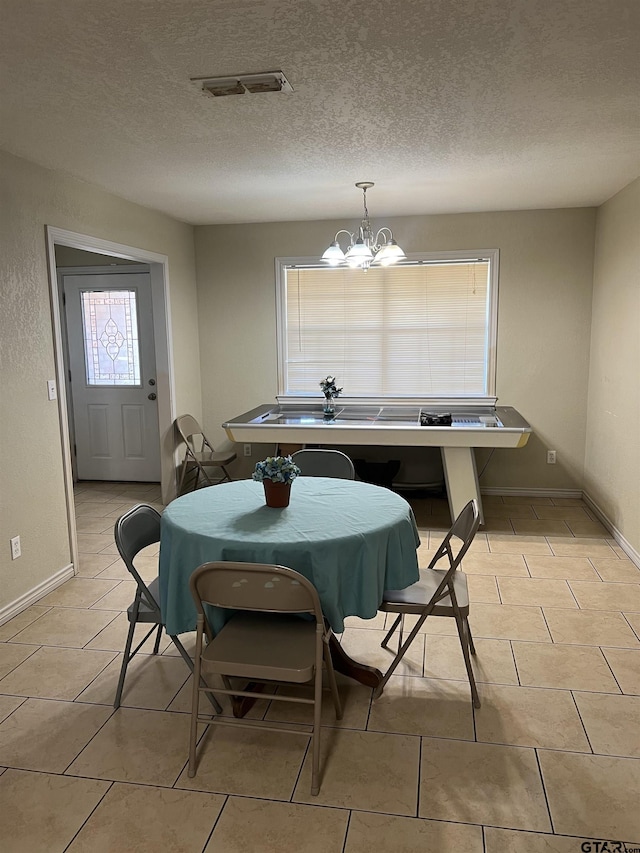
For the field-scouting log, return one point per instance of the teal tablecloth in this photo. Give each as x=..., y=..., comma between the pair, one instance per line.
x=351, y=539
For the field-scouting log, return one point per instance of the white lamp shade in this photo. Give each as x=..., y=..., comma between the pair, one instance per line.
x=358, y=253
x=389, y=254
x=334, y=255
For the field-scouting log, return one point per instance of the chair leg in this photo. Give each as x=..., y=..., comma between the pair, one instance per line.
x=226, y=474
x=127, y=653
x=315, y=737
x=193, y=731
x=472, y=648
x=401, y=652
x=156, y=645
x=331, y=677
x=390, y=633
x=182, y=476
x=210, y=482
x=467, y=660
x=189, y=662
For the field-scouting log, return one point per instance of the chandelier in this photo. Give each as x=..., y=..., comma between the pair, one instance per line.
x=364, y=250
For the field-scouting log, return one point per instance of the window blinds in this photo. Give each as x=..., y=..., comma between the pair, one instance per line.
x=414, y=330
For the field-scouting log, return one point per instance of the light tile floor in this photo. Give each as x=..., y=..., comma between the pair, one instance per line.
x=551, y=759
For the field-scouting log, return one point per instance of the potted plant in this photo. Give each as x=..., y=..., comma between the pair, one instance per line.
x=276, y=473
x=331, y=392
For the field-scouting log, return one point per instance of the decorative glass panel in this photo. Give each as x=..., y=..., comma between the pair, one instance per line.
x=111, y=342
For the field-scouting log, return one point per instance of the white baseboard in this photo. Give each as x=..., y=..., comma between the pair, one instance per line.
x=34, y=595
x=532, y=493
x=602, y=517
x=626, y=546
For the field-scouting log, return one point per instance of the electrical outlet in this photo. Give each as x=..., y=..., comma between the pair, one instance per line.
x=16, y=550
x=551, y=457
x=247, y=450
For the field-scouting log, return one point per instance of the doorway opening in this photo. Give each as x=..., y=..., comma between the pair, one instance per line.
x=77, y=257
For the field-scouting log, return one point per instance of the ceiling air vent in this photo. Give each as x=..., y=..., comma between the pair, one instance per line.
x=239, y=84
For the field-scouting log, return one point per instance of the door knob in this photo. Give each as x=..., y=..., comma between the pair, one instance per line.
x=152, y=382
x=152, y=396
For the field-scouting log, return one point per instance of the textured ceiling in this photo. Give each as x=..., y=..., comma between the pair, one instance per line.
x=448, y=105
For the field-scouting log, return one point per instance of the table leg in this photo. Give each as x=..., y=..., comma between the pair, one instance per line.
x=361, y=672
x=240, y=705
x=461, y=477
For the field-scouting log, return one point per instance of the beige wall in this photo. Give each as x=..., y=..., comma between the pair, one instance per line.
x=31, y=481
x=543, y=324
x=612, y=459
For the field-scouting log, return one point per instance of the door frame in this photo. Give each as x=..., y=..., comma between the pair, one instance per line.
x=159, y=273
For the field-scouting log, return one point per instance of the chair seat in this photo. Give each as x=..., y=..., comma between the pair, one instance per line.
x=215, y=457
x=415, y=598
x=146, y=613
x=263, y=646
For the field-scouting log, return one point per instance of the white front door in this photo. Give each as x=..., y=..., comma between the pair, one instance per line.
x=113, y=376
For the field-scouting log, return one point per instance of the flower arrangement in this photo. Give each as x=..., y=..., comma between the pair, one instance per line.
x=329, y=389
x=278, y=469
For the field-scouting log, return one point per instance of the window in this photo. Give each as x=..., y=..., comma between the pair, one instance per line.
x=422, y=329
x=110, y=330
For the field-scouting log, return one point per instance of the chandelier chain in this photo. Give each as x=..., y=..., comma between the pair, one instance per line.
x=364, y=200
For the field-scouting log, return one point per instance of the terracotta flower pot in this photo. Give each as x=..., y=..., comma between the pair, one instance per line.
x=276, y=494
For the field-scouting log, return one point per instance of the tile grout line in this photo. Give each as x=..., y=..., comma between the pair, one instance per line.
x=613, y=675
x=79, y=753
x=515, y=663
x=626, y=619
x=227, y=797
x=20, y=630
x=573, y=692
x=574, y=595
x=96, y=676
x=36, y=648
x=544, y=790
x=420, y=748
x=346, y=830
x=544, y=616
x=90, y=815
x=305, y=755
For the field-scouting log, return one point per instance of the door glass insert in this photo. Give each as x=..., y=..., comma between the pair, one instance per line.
x=111, y=339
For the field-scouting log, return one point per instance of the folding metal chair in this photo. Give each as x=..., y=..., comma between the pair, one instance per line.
x=135, y=530
x=324, y=463
x=267, y=642
x=439, y=592
x=199, y=454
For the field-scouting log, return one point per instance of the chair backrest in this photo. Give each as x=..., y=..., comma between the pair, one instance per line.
x=254, y=586
x=188, y=428
x=324, y=463
x=455, y=545
x=133, y=531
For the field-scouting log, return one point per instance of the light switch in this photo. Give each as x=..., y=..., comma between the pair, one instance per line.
x=51, y=389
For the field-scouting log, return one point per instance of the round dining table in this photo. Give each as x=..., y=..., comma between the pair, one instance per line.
x=352, y=540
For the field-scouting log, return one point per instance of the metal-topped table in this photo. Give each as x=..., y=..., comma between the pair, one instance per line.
x=393, y=425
